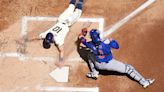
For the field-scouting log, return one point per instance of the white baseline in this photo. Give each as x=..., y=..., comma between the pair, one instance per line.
x=68, y=89
x=122, y=22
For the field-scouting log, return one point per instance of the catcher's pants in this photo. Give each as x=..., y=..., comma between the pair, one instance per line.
x=115, y=65
x=70, y=15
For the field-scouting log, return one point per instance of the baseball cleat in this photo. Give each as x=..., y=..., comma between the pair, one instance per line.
x=92, y=75
x=148, y=83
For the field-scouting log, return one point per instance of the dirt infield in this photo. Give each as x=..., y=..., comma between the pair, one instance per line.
x=141, y=44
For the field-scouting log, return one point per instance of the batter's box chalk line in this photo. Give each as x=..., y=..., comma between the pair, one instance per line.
x=123, y=21
x=67, y=89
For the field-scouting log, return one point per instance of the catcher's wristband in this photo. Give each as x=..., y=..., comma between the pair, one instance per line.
x=82, y=40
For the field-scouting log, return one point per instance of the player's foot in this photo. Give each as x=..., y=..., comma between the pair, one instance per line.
x=148, y=82
x=92, y=75
x=72, y=2
x=80, y=4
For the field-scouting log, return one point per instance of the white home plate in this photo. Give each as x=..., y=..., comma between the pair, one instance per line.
x=60, y=74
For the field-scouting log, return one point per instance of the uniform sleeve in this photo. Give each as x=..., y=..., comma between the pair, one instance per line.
x=88, y=45
x=114, y=44
x=83, y=40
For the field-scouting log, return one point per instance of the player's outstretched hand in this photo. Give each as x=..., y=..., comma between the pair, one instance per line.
x=59, y=64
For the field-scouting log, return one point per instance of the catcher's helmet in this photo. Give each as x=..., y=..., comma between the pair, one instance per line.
x=95, y=36
x=48, y=40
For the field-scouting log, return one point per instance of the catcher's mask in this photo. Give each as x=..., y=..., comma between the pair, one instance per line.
x=48, y=40
x=95, y=36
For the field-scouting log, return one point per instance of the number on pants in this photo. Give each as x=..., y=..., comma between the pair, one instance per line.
x=57, y=29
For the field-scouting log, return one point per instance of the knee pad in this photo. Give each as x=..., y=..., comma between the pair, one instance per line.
x=130, y=70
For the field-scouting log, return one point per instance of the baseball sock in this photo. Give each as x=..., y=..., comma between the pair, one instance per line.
x=72, y=1
x=79, y=4
x=80, y=0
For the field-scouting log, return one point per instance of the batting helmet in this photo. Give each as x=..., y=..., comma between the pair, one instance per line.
x=95, y=36
x=48, y=40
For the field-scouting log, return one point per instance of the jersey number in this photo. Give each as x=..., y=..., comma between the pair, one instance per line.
x=57, y=29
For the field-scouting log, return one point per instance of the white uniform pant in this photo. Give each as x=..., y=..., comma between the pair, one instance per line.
x=67, y=18
x=70, y=15
x=113, y=65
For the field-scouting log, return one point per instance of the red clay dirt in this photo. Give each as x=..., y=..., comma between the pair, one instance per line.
x=141, y=45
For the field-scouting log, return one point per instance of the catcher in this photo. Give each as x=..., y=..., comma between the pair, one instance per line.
x=58, y=32
x=100, y=58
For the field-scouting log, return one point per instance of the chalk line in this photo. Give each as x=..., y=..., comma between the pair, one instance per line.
x=24, y=57
x=69, y=89
x=127, y=18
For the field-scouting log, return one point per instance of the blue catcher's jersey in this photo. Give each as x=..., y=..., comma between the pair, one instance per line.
x=102, y=52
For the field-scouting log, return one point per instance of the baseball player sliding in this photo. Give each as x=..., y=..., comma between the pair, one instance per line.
x=57, y=33
x=100, y=58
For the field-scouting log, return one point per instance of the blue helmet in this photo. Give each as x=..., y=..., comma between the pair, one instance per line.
x=48, y=40
x=95, y=36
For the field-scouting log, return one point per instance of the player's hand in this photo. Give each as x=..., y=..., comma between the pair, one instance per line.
x=59, y=64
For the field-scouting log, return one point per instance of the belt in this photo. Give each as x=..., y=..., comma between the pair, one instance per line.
x=103, y=62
